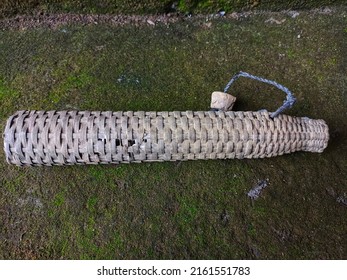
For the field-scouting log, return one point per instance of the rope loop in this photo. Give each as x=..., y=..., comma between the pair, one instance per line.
x=288, y=103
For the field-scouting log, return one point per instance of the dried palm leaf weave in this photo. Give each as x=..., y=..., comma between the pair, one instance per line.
x=93, y=137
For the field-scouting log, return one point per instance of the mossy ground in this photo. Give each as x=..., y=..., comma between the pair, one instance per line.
x=183, y=210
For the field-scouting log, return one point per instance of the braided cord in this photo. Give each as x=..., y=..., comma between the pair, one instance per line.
x=288, y=103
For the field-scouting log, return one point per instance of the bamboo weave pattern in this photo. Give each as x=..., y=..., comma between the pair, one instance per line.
x=85, y=137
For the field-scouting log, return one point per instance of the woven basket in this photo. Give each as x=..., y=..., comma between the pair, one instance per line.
x=83, y=137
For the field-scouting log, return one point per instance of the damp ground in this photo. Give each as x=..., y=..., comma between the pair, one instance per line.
x=181, y=210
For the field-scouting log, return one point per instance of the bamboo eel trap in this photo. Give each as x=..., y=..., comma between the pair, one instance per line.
x=85, y=137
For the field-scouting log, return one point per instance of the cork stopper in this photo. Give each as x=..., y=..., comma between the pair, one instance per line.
x=222, y=101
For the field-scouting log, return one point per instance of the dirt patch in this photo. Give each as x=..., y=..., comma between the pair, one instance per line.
x=53, y=21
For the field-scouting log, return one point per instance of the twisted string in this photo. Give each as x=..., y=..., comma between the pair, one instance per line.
x=288, y=103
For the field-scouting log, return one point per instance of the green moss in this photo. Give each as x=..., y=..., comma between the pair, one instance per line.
x=91, y=203
x=187, y=212
x=172, y=210
x=118, y=242
x=72, y=85
x=12, y=185
x=251, y=231
x=59, y=199
x=182, y=6
x=291, y=54
x=8, y=98
x=101, y=175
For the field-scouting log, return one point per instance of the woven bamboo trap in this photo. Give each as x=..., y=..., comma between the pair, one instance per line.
x=93, y=137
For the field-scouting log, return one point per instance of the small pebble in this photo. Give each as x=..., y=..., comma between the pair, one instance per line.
x=293, y=14
x=255, y=192
x=150, y=22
